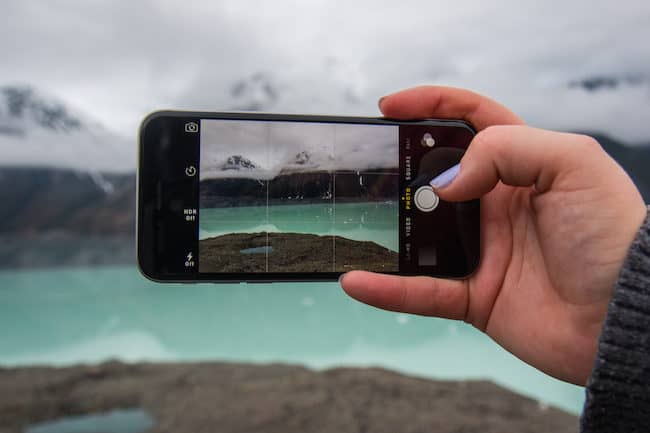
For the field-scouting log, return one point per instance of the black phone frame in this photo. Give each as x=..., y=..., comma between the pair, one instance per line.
x=144, y=256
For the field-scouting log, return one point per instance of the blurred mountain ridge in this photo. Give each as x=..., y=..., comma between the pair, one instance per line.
x=596, y=83
x=56, y=196
x=37, y=129
x=21, y=103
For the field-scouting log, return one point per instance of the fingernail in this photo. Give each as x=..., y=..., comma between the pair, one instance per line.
x=446, y=177
x=341, y=279
x=379, y=102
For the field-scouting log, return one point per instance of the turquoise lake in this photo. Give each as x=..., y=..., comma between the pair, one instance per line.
x=377, y=221
x=88, y=315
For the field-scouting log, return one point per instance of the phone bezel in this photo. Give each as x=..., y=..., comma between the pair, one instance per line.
x=260, y=116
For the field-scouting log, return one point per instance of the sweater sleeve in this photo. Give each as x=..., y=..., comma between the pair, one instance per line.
x=618, y=391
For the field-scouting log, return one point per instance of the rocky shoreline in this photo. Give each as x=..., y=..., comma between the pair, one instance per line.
x=229, y=397
x=292, y=252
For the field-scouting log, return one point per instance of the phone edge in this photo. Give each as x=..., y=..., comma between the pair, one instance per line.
x=242, y=115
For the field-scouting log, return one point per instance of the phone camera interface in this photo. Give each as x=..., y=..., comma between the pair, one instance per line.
x=278, y=196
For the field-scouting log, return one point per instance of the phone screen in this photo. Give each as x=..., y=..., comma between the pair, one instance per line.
x=273, y=199
x=298, y=197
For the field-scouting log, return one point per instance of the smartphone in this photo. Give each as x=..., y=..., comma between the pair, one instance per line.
x=254, y=197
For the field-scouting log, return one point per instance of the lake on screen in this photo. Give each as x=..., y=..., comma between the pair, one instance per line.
x=376, y=221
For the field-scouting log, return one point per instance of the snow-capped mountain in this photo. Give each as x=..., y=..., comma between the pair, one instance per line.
x=238, y=162
x=38, y=130
x=268, y=149
x=302, y=158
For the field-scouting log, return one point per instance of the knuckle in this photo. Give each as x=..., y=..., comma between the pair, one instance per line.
x=494, y=140
x=588, y=142
x=403, y=302
x=586, y=148
x=493, y=137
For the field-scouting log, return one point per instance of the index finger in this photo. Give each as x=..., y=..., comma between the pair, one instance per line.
x=447, y=103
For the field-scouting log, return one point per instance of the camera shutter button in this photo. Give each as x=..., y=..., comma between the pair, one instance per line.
x=425, y=199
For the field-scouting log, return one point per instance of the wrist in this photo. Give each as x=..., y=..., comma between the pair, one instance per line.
x=618, y=385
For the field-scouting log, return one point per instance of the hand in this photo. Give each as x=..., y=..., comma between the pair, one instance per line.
x=558, y=216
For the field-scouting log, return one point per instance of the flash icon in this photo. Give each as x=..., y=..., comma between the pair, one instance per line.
x=189, y=260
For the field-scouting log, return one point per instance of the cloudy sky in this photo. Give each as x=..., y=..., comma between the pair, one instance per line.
x=294, y=147
x=118, y=60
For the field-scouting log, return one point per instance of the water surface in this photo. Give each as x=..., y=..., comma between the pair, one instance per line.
x=116, y=421
x=89, y=315
x=374, y=221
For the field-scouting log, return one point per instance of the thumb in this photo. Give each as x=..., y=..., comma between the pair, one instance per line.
x=517, y=156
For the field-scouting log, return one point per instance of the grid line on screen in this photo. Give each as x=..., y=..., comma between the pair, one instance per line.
x=333, y=179
x=298, y=190
x=267, y=145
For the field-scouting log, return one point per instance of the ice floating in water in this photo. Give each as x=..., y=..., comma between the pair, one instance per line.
x=257, y=250
x=116, y=421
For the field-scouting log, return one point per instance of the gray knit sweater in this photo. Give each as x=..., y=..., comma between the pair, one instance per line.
x=618, y=391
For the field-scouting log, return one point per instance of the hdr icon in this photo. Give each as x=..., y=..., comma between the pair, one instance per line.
x=190, y=215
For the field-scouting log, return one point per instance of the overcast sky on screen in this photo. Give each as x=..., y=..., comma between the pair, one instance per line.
x=118, y=60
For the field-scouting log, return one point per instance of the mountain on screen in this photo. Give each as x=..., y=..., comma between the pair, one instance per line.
x=238, y=162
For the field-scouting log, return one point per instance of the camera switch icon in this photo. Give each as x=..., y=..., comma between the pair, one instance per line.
x=190, y=171
x=428, y=140
x=191, y=127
